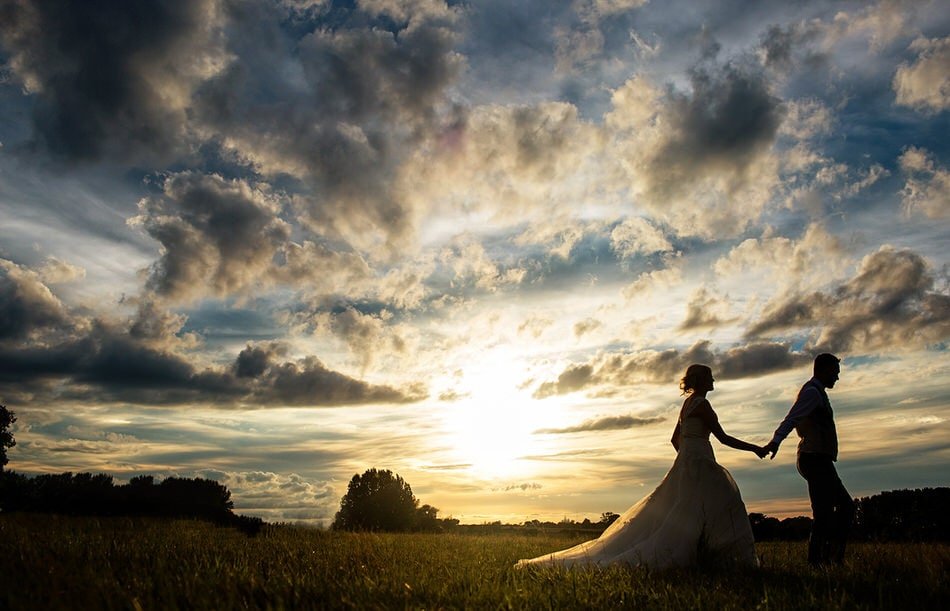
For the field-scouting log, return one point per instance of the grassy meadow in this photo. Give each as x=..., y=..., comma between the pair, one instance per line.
x=52, y=562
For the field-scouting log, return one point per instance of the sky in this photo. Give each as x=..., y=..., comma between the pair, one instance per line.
x=276, y=243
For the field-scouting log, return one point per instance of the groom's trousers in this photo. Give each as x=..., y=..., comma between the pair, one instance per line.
x=831, y=505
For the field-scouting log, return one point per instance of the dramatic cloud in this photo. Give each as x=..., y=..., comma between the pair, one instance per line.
x=879, y=24
x=925, y=84
x=927, y=188
x=609, y=423
x=782, y=48
x=704, y=311
x=637, y=236
x=890, y=302
x=367, y=335
x=471, y=264
x=115, y=82
x=621, y=369
x=508, y=165
x=806, y=119
x=308, y=382
x=217, y=235
x=47, y=351
x=788, y=260
x=701, y=160
x=26, y=304
x=55, y=271
x=344, y=104
x=223, y=237
x=107, y=365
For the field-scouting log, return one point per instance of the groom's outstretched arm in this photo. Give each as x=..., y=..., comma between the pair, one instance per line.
x=808, y=399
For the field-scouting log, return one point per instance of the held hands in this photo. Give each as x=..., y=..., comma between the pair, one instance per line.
x=763, y=451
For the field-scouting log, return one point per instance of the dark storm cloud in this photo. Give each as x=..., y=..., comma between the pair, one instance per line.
x=701, y=312
x=890, y=301
x=334, y=94
x=336, y=106
x=705, y=157
x=145, y=362
x=26, y=304
x=609, y=423
x=107, y=365
x=782, y=47
x=152, y=322
x=758, y=359
x=221, y=237
x=729, y=118
x=109, y=80
x=309, y=382
x=667, y=366
x=217, y=235
x=253, y=361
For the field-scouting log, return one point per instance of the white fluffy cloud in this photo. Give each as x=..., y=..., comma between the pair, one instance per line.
x=927, y=188
x=925, y=83
x=638, y=236
x=789, y=260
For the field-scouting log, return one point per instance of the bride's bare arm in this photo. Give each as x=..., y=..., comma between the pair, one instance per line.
x=711, y=420
x=675, y=440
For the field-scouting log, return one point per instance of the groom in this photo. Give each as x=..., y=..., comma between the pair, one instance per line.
x=831, y=505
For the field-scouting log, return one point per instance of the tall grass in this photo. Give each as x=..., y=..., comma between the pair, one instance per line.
x=49, y=562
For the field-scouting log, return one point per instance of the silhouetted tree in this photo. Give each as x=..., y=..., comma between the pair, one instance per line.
x=904, y=515
x=377, y=500
x=766, y=528
x=7, y=418
x=97, y=495
x=427, y=518
x=607, y=518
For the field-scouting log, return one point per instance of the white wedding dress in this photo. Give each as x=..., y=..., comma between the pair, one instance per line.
x=696, y=509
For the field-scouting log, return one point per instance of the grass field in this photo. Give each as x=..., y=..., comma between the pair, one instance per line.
x=49, y=562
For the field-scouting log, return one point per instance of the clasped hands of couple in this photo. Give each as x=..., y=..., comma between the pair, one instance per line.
x=769, y=448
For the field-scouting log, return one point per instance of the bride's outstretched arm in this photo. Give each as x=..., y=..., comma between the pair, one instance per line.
x=711, y=420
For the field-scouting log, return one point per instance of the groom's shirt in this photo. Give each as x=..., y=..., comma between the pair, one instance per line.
x=812, y=418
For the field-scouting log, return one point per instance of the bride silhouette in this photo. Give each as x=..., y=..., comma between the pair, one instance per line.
x=696, y=509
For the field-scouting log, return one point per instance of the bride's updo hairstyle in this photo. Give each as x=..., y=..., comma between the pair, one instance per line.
x=696, y=374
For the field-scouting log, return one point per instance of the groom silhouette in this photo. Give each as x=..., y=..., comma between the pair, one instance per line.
x=831, y=505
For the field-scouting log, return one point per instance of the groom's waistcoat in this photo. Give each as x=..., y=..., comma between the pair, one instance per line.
x=817, y=429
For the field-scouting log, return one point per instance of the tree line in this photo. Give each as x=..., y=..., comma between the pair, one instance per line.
x=87, y=494
x=379, y=500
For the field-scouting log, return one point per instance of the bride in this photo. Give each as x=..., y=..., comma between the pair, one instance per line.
x=696, y=509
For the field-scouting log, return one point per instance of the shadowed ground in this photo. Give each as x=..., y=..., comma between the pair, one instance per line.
x=121, y=563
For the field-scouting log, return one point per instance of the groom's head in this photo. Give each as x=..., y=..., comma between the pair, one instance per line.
x=827, y=368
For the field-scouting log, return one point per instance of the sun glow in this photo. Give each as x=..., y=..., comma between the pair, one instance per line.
x=492, y=430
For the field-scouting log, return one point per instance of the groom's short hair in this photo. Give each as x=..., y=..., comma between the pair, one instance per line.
x=824, y=361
